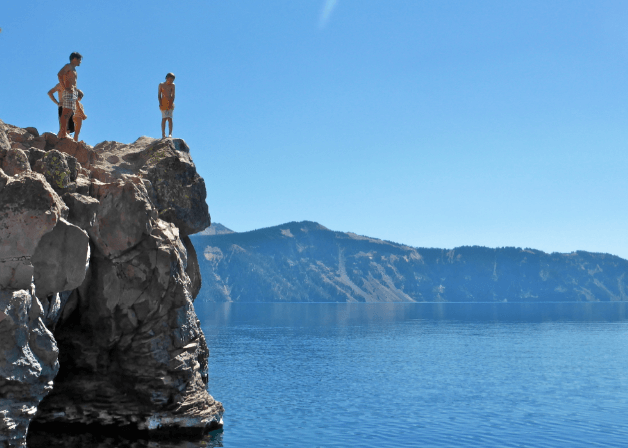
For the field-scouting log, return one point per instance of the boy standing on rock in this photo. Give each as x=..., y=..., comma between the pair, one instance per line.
x=165, y=94
x=67, y=78
x=79, y=115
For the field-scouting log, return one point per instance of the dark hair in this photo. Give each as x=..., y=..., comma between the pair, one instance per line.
x=170, y=75
x=76, y=54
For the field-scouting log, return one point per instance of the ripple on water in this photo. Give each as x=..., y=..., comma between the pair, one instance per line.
x=408, y=381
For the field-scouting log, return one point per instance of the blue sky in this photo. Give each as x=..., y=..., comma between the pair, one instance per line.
x=430, y=123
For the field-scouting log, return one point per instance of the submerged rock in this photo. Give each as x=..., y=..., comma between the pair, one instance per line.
x=94, y=246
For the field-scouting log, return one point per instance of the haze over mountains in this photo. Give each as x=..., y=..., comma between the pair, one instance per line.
x=306, y=262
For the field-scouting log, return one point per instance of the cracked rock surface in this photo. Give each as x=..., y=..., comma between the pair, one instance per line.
x=97, y=282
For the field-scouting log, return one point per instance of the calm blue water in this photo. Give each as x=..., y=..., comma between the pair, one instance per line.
x=414, y=375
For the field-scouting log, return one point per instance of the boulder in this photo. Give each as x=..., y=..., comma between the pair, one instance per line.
x=123, y=216
x=55, y=168
x=35, y=154
x=60, y=259
x=29, y=208
x=82, y=209
x=184, y=206
x=38, y=143
x=15, y=161
x=32, y=130
x=83, y=153
x=18, y=135
x=179, y=192
x=50, y=139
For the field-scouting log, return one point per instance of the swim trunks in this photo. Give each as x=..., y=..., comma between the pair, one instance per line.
x=167, y=113
x=69, y=99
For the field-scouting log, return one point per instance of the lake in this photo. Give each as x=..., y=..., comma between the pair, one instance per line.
x=408, y=375
x=414, y=375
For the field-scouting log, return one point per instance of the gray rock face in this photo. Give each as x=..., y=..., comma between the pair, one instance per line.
x=138, y=310
x=93, y=246
x=193, y=268
x=4, y=141
x=28, y=363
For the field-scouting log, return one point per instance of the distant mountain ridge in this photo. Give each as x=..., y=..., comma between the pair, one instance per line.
x=216, y=229
x=306, y=262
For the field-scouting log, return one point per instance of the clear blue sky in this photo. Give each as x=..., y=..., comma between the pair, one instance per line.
x=431, y=123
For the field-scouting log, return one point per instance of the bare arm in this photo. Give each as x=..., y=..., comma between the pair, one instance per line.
x=172, y=94
x=159, y=94
x=51, y=94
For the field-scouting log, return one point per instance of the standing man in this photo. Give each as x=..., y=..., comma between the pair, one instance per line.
x=165, y=95
x=67, y=78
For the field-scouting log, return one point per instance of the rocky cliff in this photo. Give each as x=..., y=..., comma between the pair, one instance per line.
x=306, y=262
x=97, y=281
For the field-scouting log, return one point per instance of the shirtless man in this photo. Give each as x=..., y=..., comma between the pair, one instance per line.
x=165, y=95
x=67, y=78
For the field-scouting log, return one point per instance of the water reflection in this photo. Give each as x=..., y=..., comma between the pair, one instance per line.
x=347, y=314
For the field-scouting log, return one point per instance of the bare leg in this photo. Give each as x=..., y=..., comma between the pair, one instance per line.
x=170, y=127
x=65, y=117
x=163, y=127
x=60, y=121
x=77, y=127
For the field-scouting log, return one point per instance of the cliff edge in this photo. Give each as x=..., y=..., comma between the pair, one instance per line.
x=97, y=282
